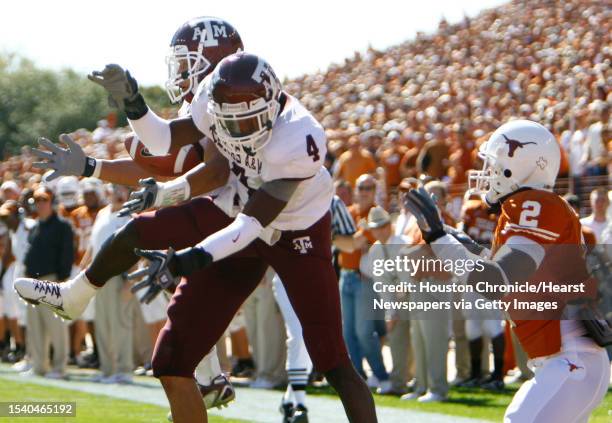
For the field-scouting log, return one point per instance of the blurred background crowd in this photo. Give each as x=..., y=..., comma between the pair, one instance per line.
x=414, y=112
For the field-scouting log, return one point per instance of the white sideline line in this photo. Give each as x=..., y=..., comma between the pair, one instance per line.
x=253, y=405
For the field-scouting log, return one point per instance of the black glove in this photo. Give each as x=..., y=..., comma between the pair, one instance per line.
x=157, y=275
x=422, y=206
x=122, y=90
x=142, y=199
x=165, y=269
x=465, y=239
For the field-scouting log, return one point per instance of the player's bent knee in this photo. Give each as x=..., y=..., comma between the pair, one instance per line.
x=170, y=359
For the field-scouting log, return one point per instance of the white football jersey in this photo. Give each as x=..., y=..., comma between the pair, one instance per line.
x=230, y=188
x=296, y=149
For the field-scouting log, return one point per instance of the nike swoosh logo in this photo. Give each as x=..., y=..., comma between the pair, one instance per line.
x=236, y=239
x=42, y=300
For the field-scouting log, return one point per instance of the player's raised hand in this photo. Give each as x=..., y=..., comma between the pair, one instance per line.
x=122, y=90
x=63, y=161
x=424, y=208
x=156, y=276
x=464, y=239
x=142, y=199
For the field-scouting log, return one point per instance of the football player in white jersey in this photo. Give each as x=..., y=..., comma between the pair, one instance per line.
x=195, y=49
x=277, y=213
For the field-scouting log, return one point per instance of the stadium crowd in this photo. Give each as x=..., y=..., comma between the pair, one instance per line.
x=415, y=113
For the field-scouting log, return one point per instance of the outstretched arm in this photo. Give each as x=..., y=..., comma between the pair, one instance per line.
x=518, y=259
x=73, y=161
x=156, y=134
x=202, y=179
x=261, y=209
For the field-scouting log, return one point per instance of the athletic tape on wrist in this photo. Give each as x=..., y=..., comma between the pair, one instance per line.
x=172, y=192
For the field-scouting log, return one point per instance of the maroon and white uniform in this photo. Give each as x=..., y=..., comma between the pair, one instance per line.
x=297, y=244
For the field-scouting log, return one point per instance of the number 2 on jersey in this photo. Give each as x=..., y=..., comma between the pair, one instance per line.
x=531, y=210
x=312, y=149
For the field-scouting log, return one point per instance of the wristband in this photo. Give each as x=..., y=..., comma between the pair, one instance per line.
x=191, y=260
x=92, y=167
x=135, y=108
x=172, y=192
x=433, y=236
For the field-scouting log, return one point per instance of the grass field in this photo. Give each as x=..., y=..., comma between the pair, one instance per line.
x=99, y=408
x=90, y=408
x=478, y=404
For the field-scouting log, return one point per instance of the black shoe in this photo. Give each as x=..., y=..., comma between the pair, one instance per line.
x=493, y=384
x=286, y=409
x=473, y=382
x=244, y=368
x=15, y=356
x=300, y=414
x=88, y=360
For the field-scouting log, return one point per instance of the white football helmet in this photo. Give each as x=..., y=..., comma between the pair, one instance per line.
x=68, y=191
x=93, y=184
x=519, y=154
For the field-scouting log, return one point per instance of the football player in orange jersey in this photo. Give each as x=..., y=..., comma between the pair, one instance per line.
x=521, y=162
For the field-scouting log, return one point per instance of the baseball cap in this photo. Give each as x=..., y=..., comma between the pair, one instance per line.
x=10, y=185
x=378, y=217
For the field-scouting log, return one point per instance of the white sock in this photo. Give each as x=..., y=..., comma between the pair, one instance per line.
x=80, y=288
x=209, y=368
x=300, y=397
x=288, y=397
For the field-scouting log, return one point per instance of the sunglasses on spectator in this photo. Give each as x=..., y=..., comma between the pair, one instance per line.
x=41, y=200
x=365, y=188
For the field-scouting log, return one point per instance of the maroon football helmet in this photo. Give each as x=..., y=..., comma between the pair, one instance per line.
x=243, y=100
x=196, y=48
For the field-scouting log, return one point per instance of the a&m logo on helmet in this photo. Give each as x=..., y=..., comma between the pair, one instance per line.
x=210, y=33
x=263, y=74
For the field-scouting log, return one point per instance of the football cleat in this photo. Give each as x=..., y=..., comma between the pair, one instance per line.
x=286, y=409
x=300, y=414
x=219, y=393
x=54, y=295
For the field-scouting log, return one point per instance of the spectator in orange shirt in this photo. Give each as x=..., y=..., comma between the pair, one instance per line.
x=358, y=334
x=354, y=162
x=390, y=155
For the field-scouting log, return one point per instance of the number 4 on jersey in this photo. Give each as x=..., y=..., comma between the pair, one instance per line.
x=312, y=149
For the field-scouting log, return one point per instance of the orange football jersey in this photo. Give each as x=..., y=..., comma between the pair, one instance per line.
x=545, y=218
x=477, y=222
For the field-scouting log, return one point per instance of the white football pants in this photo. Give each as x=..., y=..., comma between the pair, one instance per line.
x=566, y=388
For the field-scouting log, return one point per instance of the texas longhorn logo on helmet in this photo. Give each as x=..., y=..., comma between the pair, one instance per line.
x=514, y=144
